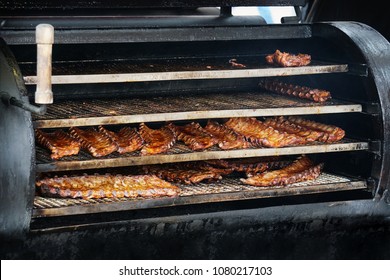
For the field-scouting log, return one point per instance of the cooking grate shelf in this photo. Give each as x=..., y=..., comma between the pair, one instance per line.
x=181, y=153
x=182, y=107
x=141, y=70
x=227, y=189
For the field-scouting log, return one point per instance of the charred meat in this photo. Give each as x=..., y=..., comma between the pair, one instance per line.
x=286, y=59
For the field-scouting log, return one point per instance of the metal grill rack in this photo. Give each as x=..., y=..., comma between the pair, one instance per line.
x=182, y=107
x=227, y=189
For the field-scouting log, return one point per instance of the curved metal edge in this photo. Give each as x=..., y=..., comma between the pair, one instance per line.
x=375, y=50
x=17, y=152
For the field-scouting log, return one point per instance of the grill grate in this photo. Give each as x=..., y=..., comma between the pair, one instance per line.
x=223, y=190
x=180, y=152
x=181, y=107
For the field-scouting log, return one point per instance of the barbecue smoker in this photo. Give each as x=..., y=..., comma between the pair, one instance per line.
x=139, y=67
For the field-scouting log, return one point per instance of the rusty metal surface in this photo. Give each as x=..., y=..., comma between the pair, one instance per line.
x=227, y=189
x=181, y=153
x=182, y=107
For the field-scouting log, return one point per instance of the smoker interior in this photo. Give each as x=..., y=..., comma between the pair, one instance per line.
x=119, y=77
x=184, y=81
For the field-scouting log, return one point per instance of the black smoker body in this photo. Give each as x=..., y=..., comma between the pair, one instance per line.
x=342, y=219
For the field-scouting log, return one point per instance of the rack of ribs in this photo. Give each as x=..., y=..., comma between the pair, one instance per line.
x=106, y=186
x=302, y=169
x=331, y=133
x=194, y=136
x=156, y=141
x=260, y=134
x=286, y=59
x=187, y=173
x=250, y=166
x=126, y=139
x=59, y=143
x=97, y=143
x=227, y=138
x=317, y=95
x=284, y=125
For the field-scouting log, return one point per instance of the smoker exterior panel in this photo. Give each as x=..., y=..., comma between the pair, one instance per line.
x=229, y=223
x=17, y=155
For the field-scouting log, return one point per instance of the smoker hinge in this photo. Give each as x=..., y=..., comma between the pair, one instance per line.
x=358, y=69
x=375, y=146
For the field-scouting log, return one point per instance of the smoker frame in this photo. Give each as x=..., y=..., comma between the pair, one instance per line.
x=358, y=35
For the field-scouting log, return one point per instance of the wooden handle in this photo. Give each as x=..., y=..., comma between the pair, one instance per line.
x=44, y=35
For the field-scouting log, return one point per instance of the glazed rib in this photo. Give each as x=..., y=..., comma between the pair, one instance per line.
x=250, y=166
x=106, y=186
x=317, y=95
x=300, y=170
x=156, y=141
x=282, y=124
x=127, y=139
x=58, y=142
x=226, y=137
x=331, y=133
x=262, y=135
x=187, y=173
x=98, y=144
x=288, y=60
x=194, y=136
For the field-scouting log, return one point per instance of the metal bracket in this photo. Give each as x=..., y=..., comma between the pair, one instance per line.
x=375, y=146
x=358, y=69
x=7, y=99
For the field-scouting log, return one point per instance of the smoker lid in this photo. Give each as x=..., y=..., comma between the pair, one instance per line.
x=60, y=7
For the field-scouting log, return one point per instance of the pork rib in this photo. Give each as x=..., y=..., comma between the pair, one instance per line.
x=331, y=133
x=317, y=95
x=106, y=186
x=126, y=139
x=58, y=142
x=262, y=135
x=282, y=124
x=156, y=141
x=300, y=170
x=194, y=136
x=286, y=59
x=98, y=144
x=187, y=173
x=250, y=166
x=227, y=138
